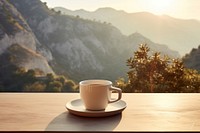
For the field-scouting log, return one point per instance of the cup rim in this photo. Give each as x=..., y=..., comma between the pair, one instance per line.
x=95, y=82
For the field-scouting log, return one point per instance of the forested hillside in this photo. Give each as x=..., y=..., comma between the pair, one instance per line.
x=192, y=60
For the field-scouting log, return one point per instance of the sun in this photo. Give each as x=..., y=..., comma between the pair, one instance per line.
x=159, y=6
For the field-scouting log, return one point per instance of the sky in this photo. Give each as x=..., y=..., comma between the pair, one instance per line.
x=185, y=9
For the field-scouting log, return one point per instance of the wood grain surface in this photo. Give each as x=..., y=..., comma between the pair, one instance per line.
x=144, y=112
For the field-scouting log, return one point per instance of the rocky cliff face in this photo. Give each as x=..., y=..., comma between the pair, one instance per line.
x=78, y=48
x=14, y=28
x=15, y=31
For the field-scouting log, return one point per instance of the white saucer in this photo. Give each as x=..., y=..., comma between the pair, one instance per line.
x=76, y=107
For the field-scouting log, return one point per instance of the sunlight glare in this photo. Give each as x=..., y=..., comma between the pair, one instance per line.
x=159, y=6
x=167, y=102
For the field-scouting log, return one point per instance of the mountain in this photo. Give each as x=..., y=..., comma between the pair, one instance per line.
x=34, y=36
x=179, y=34
x=191, y=60
x=137, y=38
x=17, y=41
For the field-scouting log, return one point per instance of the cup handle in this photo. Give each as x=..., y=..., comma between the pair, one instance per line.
x=119, y=91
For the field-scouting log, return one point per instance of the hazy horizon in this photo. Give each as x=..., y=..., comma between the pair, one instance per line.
x=184, y=9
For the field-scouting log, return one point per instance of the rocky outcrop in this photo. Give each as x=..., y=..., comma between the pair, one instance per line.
x=15, y=31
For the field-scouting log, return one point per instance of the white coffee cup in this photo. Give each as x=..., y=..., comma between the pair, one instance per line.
x=96, y=94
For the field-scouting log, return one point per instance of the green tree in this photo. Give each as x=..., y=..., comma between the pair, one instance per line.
x=121, y=83
x=192, y=81
x=69, y=86
x=146, y=72
x=174, y=78
x=50, y=77
x=35, y=87
x=54, y=86
x=61, y=79
x=138, y=70
x=153, y=73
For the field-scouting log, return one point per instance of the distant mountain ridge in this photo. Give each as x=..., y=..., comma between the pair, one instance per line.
x=179, y=34
x=34, y=36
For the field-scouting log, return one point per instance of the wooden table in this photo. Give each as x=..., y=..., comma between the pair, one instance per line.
x=144, y=112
